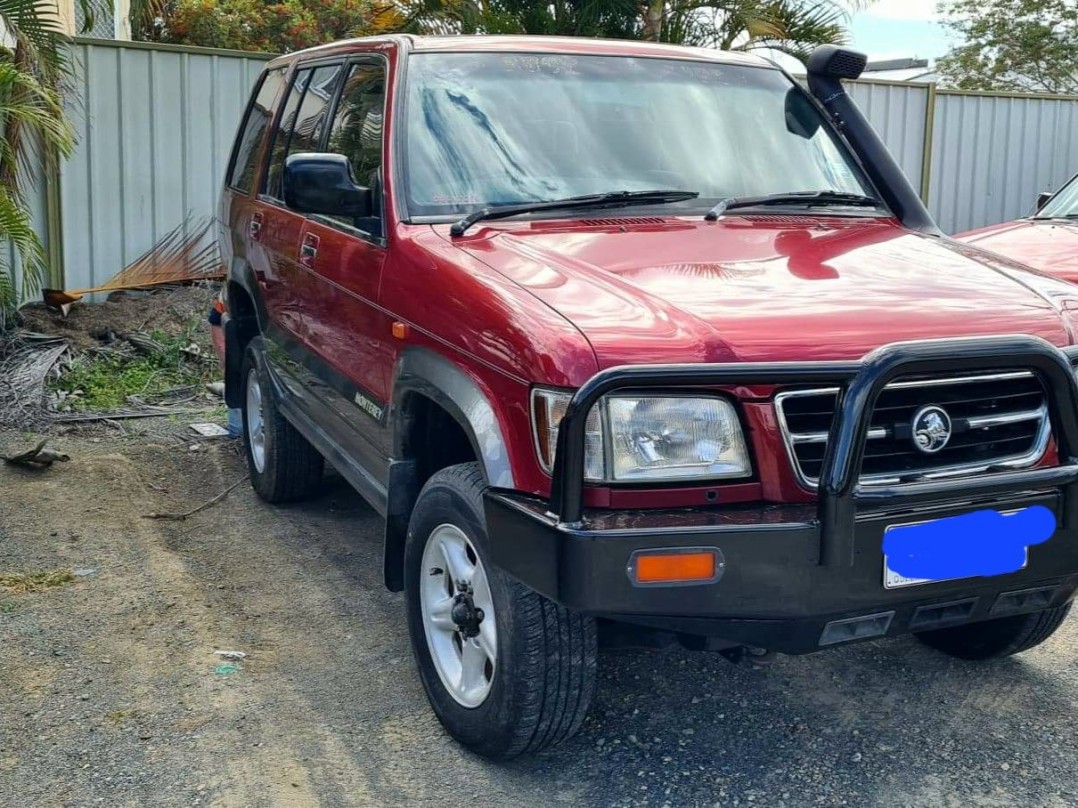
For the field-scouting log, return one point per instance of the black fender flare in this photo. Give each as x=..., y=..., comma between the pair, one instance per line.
x=429, y=374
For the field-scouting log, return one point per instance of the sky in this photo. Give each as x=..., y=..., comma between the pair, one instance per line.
x=890, y=29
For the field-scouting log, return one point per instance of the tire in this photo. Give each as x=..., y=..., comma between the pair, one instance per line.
x=537, y=688
x=283, y=466
x=994, y=639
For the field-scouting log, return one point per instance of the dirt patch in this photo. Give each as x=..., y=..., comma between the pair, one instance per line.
x=135, y=352
x=113, y=693
x=170, y=310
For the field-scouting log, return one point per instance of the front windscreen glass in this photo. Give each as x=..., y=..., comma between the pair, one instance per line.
x=504, y=128
x=1063, y=205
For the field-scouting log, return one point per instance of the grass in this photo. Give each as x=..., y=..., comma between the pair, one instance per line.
x=21, y=583
x=105, y=380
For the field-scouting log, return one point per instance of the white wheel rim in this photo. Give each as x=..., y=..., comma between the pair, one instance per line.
x=256, y=432
x=451, y=567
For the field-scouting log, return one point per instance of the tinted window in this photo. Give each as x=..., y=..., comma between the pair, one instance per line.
x=310, y=123
x=284, y=134
x=245, y=157
x=357, y=124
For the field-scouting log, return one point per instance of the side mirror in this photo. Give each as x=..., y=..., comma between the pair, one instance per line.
x=323, y=183
x=802, y=118
x=1042, y=199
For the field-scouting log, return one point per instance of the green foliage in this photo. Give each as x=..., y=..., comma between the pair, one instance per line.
x=1012, y=45
x=258, y=25
x=793, y=26
x=33, y=127
x=106, y=380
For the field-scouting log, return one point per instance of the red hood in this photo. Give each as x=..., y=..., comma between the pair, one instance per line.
x=766, y=288
x=1050, y=247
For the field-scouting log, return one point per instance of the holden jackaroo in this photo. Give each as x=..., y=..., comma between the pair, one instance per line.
x=639, y=343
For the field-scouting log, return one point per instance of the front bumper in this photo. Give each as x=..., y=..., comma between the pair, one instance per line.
x=797, y=578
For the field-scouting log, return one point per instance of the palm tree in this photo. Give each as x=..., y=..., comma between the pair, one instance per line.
x=33, y=128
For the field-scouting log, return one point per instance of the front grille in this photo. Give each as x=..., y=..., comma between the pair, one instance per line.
x=996, y=420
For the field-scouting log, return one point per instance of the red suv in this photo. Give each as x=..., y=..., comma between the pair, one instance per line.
x=636, y=340
x=1046, y=240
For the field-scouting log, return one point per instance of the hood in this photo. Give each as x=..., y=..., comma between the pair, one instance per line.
x=1050, y=247
x=774, y=288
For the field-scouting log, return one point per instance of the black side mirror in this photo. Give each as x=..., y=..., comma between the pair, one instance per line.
x=323, y=183
x=802, y=118
x=1042, y=199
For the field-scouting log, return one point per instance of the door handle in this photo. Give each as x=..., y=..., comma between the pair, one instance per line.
x=254, y=229
x=308, y=250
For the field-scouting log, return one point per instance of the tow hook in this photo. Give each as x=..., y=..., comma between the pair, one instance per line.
x=465, y=614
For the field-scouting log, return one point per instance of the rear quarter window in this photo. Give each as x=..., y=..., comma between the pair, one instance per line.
x=252, y=132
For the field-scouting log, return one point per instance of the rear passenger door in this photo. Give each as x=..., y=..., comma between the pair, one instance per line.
x=288, y=290
x=345, y=257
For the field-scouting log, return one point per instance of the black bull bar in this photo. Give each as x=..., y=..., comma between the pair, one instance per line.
x=860, y=384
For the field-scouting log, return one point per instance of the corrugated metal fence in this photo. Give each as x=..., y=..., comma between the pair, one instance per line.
x=155, y=126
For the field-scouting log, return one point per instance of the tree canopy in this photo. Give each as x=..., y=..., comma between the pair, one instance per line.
x=1012, y=45
x=791, y=26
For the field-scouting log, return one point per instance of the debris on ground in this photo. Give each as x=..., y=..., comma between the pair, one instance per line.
x=26, y=361
x=138, y=354
x=179, y=517
x=208, y=430
x=233, y=655
x=226, y=668
x=22, y=583
x=40, y=457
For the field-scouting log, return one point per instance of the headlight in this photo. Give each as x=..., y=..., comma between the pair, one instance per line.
x=649, y=438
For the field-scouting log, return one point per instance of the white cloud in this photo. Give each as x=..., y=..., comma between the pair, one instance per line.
x=903, y=10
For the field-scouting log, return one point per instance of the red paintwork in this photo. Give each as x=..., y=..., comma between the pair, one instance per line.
x=550, y=303
x=1047, y=246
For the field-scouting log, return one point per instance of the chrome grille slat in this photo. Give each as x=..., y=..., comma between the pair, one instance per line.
x=1000, y=420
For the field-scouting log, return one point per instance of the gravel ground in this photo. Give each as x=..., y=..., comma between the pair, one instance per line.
x=112, y=693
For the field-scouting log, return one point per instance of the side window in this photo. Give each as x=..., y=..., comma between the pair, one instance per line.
x=245, y=153
x=283, y=134
x=357, y=124
x=313, y=111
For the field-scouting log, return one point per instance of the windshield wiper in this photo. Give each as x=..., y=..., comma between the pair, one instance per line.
x=792, y=198
x=614, y=199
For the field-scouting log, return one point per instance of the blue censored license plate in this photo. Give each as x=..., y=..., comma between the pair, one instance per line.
x=979, y=544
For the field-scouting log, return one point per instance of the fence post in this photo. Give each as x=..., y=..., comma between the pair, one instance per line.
x=54, y=230
x=926, y=156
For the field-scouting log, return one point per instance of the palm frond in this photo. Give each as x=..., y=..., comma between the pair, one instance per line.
x=17, y=230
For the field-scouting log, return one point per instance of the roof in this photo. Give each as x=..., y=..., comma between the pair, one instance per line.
x=537, y=44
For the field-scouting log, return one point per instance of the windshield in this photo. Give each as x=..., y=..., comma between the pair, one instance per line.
x=498, y=129
x=1063, y=204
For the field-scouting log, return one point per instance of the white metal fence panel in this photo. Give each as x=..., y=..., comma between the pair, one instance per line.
x=155, y=127
x=992, y=155
x=899, y=113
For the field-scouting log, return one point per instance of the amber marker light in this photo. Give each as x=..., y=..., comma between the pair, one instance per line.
x=676, y=566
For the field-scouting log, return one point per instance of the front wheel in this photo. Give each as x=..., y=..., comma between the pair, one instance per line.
x=506, y=670
x=993, y=639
